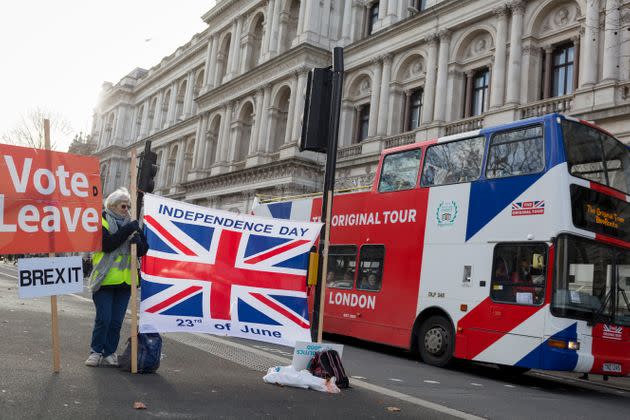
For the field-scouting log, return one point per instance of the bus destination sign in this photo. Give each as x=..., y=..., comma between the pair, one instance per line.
x=600, y=213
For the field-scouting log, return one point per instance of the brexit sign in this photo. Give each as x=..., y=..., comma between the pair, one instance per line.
x=222, y=273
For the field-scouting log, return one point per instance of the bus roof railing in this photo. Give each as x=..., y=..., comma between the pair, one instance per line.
x=266, y=199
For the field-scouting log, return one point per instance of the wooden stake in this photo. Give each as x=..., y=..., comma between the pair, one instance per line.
x=134, y=269
x=53, y=299
x=324, y=275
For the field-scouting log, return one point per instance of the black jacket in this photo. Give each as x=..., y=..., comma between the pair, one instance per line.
x=112, y=241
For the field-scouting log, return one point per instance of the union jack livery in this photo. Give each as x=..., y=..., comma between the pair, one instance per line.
x=224, y=273
x=433, y=258
x=527, y=208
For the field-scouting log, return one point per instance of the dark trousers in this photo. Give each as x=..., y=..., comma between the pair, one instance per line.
x=111, y=305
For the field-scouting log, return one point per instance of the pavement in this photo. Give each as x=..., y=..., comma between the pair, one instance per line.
x=190, y=383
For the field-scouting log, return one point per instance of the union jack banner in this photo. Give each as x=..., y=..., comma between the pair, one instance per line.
x=528, y=208
x=223, y=273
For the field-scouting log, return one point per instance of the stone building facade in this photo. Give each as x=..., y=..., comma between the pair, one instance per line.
x=224, y=111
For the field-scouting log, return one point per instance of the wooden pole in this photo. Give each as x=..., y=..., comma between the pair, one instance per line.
x=134, y=269
x=53, y=299
x=324, y=275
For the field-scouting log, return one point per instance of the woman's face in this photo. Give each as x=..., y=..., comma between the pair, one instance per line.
x=121, y=208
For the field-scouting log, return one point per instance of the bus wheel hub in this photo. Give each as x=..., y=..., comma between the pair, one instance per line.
x=434, y=340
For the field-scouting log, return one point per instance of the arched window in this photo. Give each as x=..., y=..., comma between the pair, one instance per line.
x=164, y=110
x=171, y=176
x=188, y=157
x=138, y=123
x=179, y=103
x=254, y=42
x=210, y=143
x=222, y=58
x=244, y=132
x=152, y=112
x=197, y=89
x=279, y=115
x=290, y=23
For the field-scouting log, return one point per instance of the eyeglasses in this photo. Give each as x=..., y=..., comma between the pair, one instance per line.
x=124, y=206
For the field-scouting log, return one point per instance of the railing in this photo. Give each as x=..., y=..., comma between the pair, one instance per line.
x=354, y=150
x=548, y=106
x=399, y=140
x=461, y=126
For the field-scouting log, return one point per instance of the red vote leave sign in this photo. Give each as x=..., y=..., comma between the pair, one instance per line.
x=49, y=201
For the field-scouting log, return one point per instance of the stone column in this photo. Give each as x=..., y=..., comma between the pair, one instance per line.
x=391, y=17
x=514, y=66
x=299, y=104
x=548, y=62
x=221, y=62
x=258, y=101
x=526, y=78
x=144, y=129
x=375, y=97
x=224, y=140
x=211, y=62
x=383, y=104
x=172, y=106
x=301, y=18
x=263, y=134
x=157, y=117
x=119, y=130
x=188, y=96
x=346, y=22
x=591, y=43
x=498, y=74
x=612, y=35
x=442, y=76
x=179, y=162
x=288, y=136
x=266, y=41
x=345, y=123
x=358, y=10
x=200, y=139
x=235, y=55
x=576, y=61
x=311, y=20
x=429, y=83
x=275, y=30
x=469, y=92
x=624, y=69
x=382, y=10
x=282, y=31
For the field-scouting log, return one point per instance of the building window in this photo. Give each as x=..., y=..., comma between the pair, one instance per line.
x=421, y=5
x=363, y=115
x=414, y=110
x=480, y=91
x=372, y=17
x=562, y=83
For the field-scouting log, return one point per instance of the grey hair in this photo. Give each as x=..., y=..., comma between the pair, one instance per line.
x=119, y=196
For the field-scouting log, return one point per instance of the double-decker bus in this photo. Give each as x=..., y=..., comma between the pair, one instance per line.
x=507, y=245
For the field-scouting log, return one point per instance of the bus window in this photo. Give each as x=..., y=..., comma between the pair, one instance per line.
x=453, y=162
x=518, y=274
x=400, y=171
x=588, y=150
x=516, y=152
x=371, y=267
x=342, y=262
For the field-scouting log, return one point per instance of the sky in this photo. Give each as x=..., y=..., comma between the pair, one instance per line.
x=56, y=54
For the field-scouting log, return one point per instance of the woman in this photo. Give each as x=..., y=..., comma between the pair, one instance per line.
x=111, y=277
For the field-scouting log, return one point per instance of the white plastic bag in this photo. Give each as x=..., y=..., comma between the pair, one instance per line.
x=287, y=375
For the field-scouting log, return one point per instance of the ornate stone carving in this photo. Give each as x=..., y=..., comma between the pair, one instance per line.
x=479, y=45
x=560, y=17
x=517, y=7
x=444, y=35
x=501, y=11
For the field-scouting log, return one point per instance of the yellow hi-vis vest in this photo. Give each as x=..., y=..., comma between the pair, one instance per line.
x=115, y=275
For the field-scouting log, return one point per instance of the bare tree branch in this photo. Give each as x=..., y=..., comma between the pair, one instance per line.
x=29, y=131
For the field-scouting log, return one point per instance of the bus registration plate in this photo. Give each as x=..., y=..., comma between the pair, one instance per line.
x=612, y=367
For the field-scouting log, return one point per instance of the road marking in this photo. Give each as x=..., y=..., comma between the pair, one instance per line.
x=355, y=382
x=358, y=377
x=395, y=379
x=475, y=384
x=81, y=297
x=509, y=386
x=431, y=382
x=9, y=275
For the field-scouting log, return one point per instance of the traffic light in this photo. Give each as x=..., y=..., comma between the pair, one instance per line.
x=148, y=169
x=316, y=118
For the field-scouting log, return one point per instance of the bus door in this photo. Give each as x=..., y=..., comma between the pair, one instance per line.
x=510, y=324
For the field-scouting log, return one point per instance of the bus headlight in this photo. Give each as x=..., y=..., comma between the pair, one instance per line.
x=573, y=345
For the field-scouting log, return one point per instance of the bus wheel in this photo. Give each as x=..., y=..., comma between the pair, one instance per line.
x=436, y=341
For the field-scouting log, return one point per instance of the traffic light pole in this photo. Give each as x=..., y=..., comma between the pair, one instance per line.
x=327, y=198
